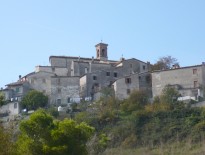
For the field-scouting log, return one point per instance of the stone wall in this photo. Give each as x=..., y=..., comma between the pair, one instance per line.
x=60, y=71
x=12, y=108
x=63, y=89
x=187, y=80
x=123, y=87
x=96, y=81
x=41, y=81
x=131, y=66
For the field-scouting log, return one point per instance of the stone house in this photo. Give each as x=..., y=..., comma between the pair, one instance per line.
x=12, y=108
x=13, y=95
x=93, y=82
x=15, y=91
x=189, y=81
x=137, y=81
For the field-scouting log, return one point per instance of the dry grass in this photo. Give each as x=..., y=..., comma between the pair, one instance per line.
x=174, y=149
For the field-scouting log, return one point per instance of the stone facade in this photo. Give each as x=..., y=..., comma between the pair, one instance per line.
x=64, y=90
x=125, y=85
x=93, y=82
x=11, y=109
x=41, y=81
x=189, y=81
x=15, y=91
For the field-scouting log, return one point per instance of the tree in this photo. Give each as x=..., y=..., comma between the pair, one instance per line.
x=6, y=145
x=2, y=99
x=169, y=95
x=34, y=99
x=137, y=101
x=41, y=134
x=165, y=63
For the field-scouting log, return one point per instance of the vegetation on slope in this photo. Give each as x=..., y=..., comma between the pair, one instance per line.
x=135, y=123
x=131, y=126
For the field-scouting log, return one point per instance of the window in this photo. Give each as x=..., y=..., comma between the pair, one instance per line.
x=128, y=80
x=143, y=67
x=194, y=71
x=17, y=89
x=107, y=73
x=94, y=77
x=44, y=80
x=128, y=91
x=98, y=53
x=115, y=74
x=59, y=90
x=195, y=84
x=130, y=65
x=103, y=52
x=58, y=101
x=15, y=105
x=139, y=77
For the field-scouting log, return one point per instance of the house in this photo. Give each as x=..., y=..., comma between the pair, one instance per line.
x=124, y=86
x=189, y=81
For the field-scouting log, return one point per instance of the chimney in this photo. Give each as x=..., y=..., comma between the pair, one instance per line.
x=148, y=66
x=122, y=58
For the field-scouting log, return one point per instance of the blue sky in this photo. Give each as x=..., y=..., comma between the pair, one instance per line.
x=32, y=30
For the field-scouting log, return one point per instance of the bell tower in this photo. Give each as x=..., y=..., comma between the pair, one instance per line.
x=101, y=51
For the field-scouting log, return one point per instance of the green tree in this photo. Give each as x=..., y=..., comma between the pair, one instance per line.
x=165, y=63
x=2, y=99
x=137, y=101
x=169, y=95
x=53, y=112
x=34, y=99
x=43, y=135
x=6, y=144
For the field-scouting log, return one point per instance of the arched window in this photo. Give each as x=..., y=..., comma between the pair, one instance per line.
x=98, y=53
x=103, y=53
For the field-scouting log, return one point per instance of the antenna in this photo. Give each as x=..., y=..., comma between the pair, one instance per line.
x=101, y=39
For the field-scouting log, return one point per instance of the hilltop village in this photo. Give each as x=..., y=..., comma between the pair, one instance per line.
x=71, y=79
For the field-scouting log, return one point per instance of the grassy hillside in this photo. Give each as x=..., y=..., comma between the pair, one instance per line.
x=134, y=126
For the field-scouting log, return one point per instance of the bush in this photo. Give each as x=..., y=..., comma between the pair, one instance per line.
x=34, y=100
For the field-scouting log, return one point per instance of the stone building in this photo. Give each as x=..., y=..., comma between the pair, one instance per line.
x=13, y=95
x=93, y=82
x=189, y=81
x=124, y=86
x=69, y=79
